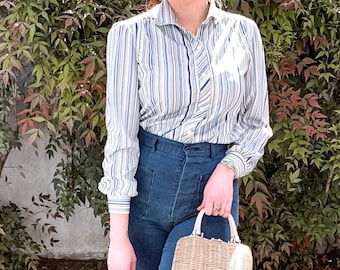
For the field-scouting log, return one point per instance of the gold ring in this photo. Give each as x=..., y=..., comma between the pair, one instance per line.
x=217, y=208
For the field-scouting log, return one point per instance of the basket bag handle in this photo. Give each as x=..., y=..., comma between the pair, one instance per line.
x=233, y=230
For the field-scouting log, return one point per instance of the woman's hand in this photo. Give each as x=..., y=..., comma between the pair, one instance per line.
x=121, y=255
x=218, y=192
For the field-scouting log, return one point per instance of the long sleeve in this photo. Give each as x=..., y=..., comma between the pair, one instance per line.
x=121, y=153
x=254, y=118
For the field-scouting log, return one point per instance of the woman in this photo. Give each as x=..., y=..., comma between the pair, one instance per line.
x=187, y=114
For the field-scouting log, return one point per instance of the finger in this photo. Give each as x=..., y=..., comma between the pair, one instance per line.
x=222, y=210
x=226, y=210
x=217, y=209
x=133, y=265
x=224, y=214
x=208, y=208
x=215, y=213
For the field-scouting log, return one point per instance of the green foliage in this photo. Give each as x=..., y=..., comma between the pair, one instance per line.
x=66, y=42
x=289, y=203
x=301, y=216
x=17, y=248
x=9, y=138
x=76, y=177
x=15, y=241
x=291, y=199
x=52, y=210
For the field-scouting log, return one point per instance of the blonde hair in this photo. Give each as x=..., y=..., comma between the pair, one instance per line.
x=152, y=3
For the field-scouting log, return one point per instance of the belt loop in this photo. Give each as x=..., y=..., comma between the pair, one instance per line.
x=211, y=150
x=154, y=144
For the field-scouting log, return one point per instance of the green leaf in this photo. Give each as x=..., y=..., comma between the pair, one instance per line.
x=43, y=49
x=277, y=69
x=38, y=70
x=293, y=176
x=31, y=33
x=45, y=16
x=38, y=119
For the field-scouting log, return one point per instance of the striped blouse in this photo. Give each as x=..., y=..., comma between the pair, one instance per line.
x=209, y=87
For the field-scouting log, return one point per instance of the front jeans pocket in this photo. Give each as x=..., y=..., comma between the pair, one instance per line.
x=145, y=185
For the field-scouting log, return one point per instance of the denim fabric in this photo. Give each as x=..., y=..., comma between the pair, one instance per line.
x=171, y=179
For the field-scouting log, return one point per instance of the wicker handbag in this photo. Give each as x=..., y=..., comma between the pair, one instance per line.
x=197, y=253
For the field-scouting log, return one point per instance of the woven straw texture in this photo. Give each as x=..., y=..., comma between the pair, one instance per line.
x=198, y=253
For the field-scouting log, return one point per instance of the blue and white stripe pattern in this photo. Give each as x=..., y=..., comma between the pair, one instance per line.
x=208, y=87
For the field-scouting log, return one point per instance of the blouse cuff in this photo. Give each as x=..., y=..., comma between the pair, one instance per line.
x=236, y=162
x=119, y=205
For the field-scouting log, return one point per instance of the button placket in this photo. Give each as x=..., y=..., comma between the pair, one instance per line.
x=202, y=87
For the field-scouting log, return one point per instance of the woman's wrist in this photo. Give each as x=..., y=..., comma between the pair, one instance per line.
x=228, y=167
x=119, y=226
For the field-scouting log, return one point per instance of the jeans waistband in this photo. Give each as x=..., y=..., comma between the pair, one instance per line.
x=197, y=149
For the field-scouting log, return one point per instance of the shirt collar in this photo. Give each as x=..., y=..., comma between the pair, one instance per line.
x=165, y=15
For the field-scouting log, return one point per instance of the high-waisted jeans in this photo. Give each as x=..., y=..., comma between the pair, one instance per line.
x=171, y=178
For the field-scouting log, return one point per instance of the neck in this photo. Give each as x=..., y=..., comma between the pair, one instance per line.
x=190, y=13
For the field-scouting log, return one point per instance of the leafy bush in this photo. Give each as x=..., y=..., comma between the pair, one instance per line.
x=76, y=177
x=17, y=248
x=15, y=242
x=9, y=137
x=65, y=42
x=291, y=200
